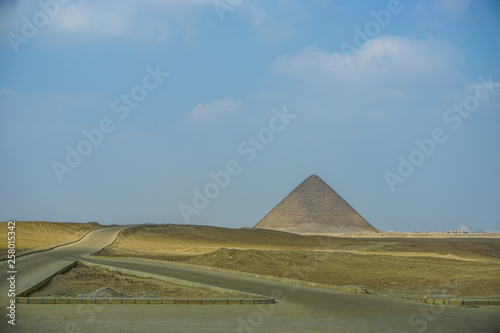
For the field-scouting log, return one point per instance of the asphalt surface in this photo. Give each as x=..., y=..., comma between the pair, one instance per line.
x=299, y=309
x=34, y=267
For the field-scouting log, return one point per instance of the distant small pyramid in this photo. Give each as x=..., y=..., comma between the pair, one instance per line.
x=464, y=229
x=314, y=207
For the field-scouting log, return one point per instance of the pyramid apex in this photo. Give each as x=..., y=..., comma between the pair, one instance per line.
x=311, y=177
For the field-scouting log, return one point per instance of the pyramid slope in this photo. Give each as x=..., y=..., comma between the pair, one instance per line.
x=315, y=207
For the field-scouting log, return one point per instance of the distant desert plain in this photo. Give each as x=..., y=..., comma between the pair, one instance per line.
x=408, y=265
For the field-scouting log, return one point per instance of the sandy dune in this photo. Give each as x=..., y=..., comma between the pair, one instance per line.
x=34, y=235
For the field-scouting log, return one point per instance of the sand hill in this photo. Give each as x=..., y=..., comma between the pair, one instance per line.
x=37, y=235
x=314, y=207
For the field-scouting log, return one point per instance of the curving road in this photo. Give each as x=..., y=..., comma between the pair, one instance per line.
x=300, y=309
x=34, y=267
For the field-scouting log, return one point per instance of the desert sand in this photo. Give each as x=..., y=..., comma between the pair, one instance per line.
x=99, y=282
x=36, y=235
x=393, y=264
x=402, y=267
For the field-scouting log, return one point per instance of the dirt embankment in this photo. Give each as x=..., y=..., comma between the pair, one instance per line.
x=32, y=235
x=203, y=239
x=411, y=277
x=99, y=282
x=405, y=267
x=160, y=241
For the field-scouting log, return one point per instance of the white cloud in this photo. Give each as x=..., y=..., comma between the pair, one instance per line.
x=221, y=109
x=150, y=21
x=381, y=61
x=81, y=18
x=387, y=75
x=453, y=8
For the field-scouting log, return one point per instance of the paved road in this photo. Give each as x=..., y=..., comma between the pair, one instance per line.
x=34, y=267
x=300, y=309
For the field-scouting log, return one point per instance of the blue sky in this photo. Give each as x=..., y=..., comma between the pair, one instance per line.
x=394, y=104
